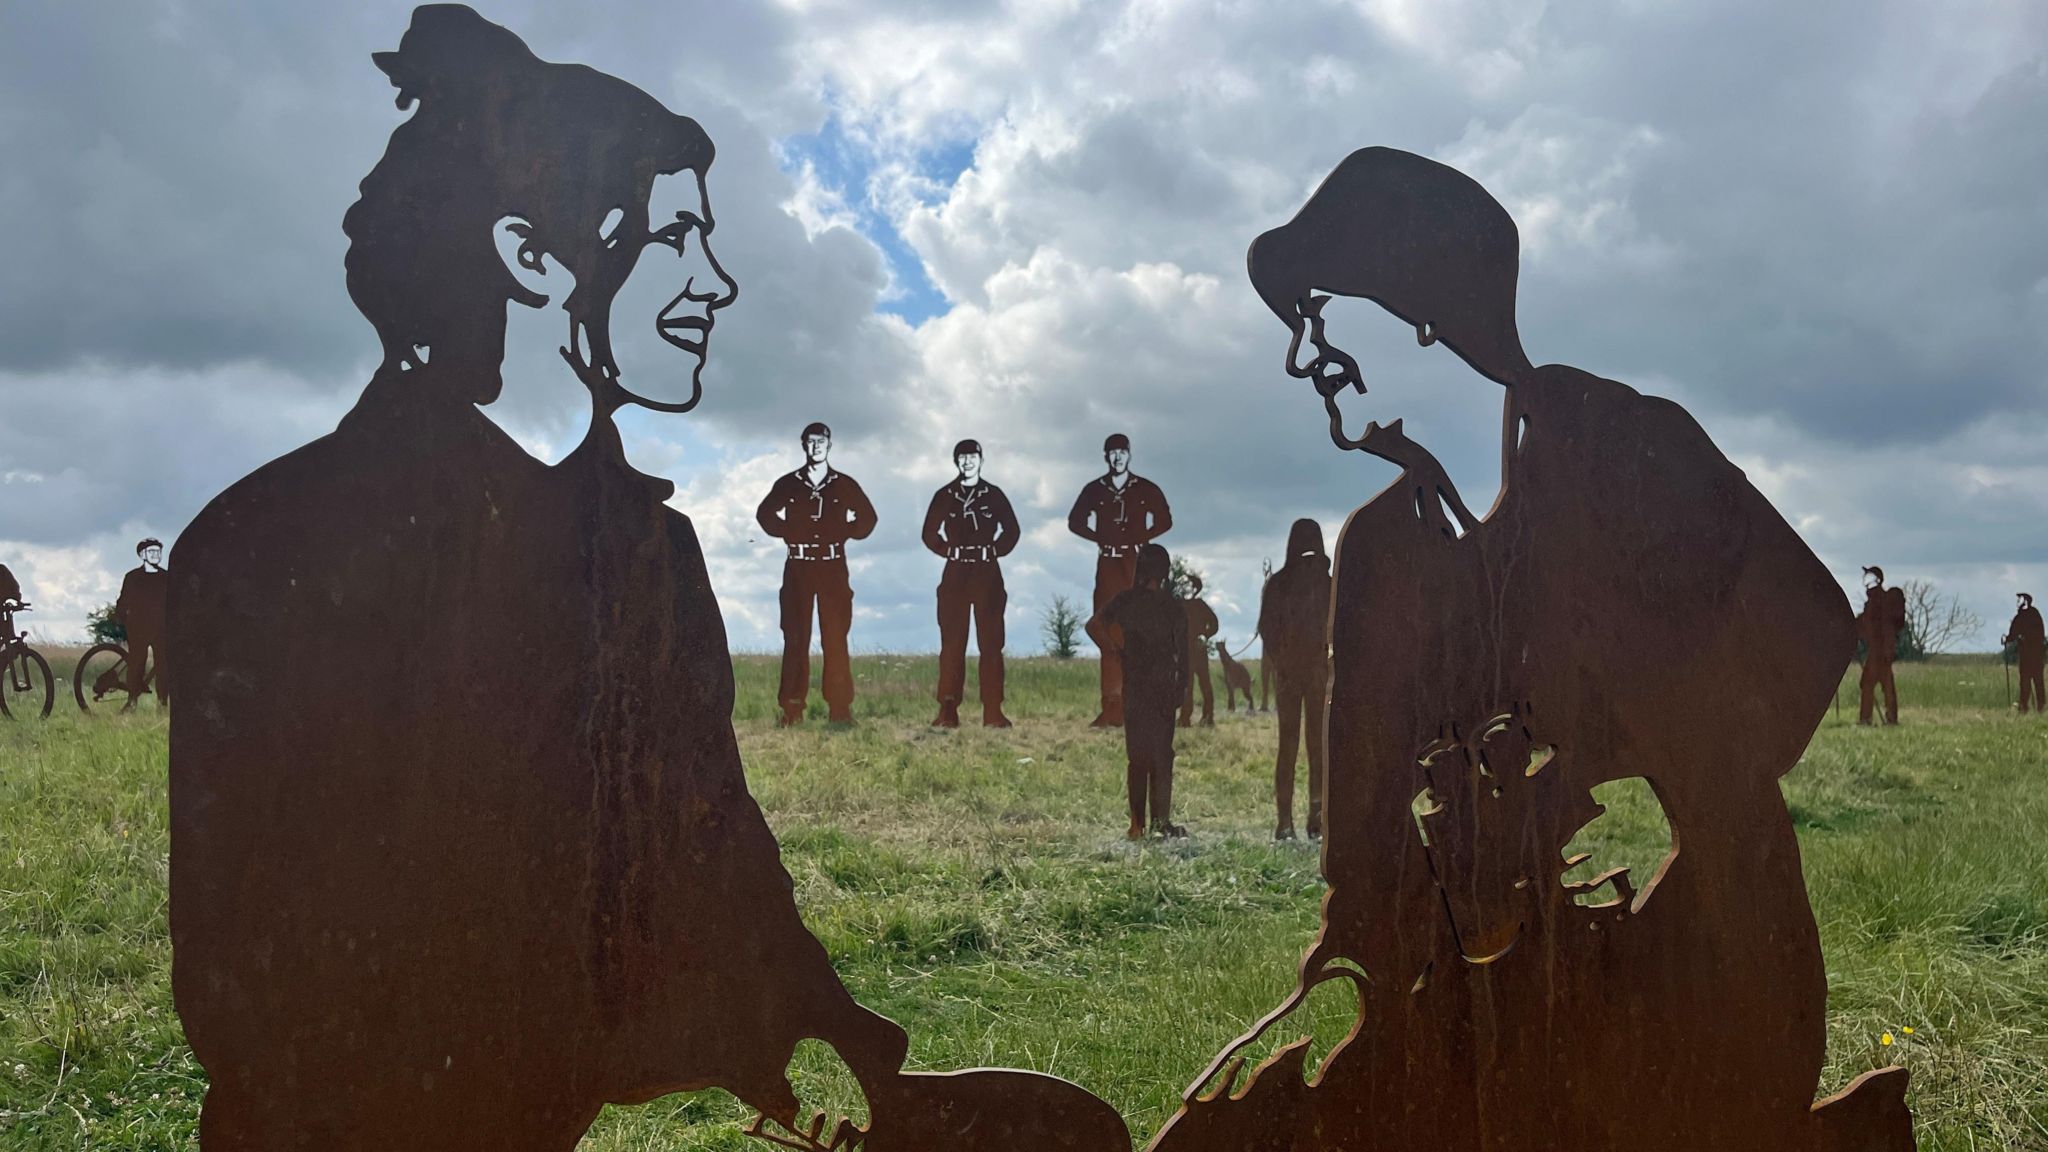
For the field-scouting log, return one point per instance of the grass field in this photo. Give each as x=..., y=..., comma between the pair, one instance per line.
x=975, y=886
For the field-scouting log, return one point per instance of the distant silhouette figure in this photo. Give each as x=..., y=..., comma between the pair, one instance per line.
x=1202, y=624
x=1294, y=617
x=1879, y=625
x=2025, y=633
x=815, y=510
x=1629, y=607
x=1118, y=512
x=1152, y=628
x=1237, y=679
x=971, y=525
x=145, y=593
x=1265, y=667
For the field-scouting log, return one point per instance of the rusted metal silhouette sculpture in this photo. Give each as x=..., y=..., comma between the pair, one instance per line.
x=101, y=672
x=1631, y=606
x=26, y=686
x=2025, y=635
x=1294, y=617
x=971, y=525
x=1202, y=625
x=1237, y=679
x=815, y=510
x=145, y=596
x=1151, y=630
x=465, y=905
x=1879, y=626
x=1119, y=512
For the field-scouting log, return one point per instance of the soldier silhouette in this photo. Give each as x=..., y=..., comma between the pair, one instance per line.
x=815, y=510
x=1119, y=512
x=2026, y=633
x=1202, y=624
x=1879, y=624
x=1150, y=625
x=971, y=525
x=145, y=592
x=1294, y=617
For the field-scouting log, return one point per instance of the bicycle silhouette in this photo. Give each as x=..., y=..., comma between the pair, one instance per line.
x=24, y=674
x=103, y=671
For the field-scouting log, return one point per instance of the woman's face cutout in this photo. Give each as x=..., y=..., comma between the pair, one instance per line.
x=642, y=287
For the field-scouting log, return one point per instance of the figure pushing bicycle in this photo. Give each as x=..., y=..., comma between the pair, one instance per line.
x=25, y=683
x=145, y=594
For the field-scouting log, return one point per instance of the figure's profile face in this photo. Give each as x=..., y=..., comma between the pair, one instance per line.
x=642, y=286
x=677, y=268
x=969, y=464
x=1118, y=459
x=817, y=448
x=1330, y=367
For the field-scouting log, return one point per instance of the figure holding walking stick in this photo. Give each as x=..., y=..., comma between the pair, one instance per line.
x=2025, y=635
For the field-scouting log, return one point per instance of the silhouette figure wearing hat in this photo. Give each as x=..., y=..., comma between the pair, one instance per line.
x=145, y=595
x=1202, y=625
x=1629, y=606
x=1150, y=626
x=1294, y=617
x=815, y=510
x=2025, y=632
x=1879, y=624
x=1119, y=512
x=971, y=525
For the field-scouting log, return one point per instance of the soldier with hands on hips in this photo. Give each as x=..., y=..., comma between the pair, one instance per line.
x=815, y=510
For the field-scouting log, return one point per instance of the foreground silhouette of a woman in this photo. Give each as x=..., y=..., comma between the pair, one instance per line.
x=461, y=845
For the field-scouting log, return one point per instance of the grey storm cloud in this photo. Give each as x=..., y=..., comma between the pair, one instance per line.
x=1819, y=226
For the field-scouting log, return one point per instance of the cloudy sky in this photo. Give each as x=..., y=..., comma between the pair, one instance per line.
x=1820, y=226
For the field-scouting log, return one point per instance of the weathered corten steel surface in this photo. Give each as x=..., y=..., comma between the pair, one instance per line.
x=1237, y=679
x=1294, y=617
x=141, y=612
x=1202, y=626
x=1119, y=512
x=1879, y=626
x=461, y=844
x=816, y=511
x=971, y=525
x=2027, y=637
x=1149, y=626
x=1630, y=607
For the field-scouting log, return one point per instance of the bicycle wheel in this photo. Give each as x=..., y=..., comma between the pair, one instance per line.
x=26, y=688
x=101, y=673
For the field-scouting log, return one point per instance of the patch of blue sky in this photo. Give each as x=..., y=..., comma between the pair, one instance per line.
x=846, y=165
